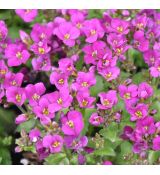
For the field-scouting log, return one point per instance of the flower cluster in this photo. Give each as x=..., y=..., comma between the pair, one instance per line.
x=87, y=68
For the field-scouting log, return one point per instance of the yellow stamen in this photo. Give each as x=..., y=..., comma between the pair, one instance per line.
x=93, y=32
x=138, y=114
x=19, y=55
x=127, y=95
x=67, y=36
x=56, y=144
x=60, y=101
x=84, y=102
x=94, y=54
x=14, y=83
x=108, y=75
x=45, y=111
x=70, y=124
x=106, y=102
x=120, y=29
x=41, y=50
x=79, y=25
x=2, y=72
x=18, y=97
x=61, y=81
x=84, y=84
x=35, y=97
x=158, y=68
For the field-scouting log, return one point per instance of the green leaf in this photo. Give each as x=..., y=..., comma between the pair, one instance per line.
x=98, y=87
x=110, y=132
x=5, y=156
x=27, y=126
x=153, y=156
x=55, y=159
x=106, y=151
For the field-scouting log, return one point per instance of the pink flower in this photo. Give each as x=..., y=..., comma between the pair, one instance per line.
x=119, y=26
x=84, y=99
x=94, y=52
x=93, y=30
x=107, y=162
x=12, y=79
x=40, y=48
x=110, y=73
x=59, y=100
x=138, y=112
x=16, y=95
x=84, y=81
x=42, y=63
x=67, y=33
x=53, y=142
x=145, y=90
x=34, y=135
x=96, y=120
x=3, y=30
x=3, y=69
x=155, y=70
x=140, y=42
x=20, y=119
x=72, y=123
x=128, y=93
x=34, y=92
x=60, y=80
x=108, y=100
x=27, y=15
x=78, y=19
x=16, y=54
x=156, y=143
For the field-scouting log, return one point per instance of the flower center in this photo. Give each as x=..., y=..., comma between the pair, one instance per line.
x=45, y=111
x=127, y=95
x=56, y=144
x=70, y=124
x=138, y=114
x=41, y=50
x=94, y=54
x=140, y=25
x=119, y=51
x=2, y=71
x=120, y=29
x=84, y=102
x=61, y=81
x=84, y=84
x=42, y=36
x=79, y=25
x=35, y=96
x=27, y=11
x=108, y=75
x=67, y=36
x=158, y=68
x=13, y=82
x=60, y=101
x=93, y=32
x=106, y=102
x=19, y=55
x=105, y=62
x=18, y=97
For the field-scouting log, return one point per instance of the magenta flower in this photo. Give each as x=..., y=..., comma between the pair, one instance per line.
x=146, y=126
x=41, y=150
x=16, y=95
x=138, y=112
x=41, y=32
x=139, y=147
x=3, y=69
x=140, y=42
x=25, y=38
x=140, y=22
x=12, y=79
x=40, y=48
x=107, y=162
x=128, y=93
x=156, y=143
x=66, y=65
x=84, y=81
x=34, y=135
x=150, y=56
x=67, y=33
x=93, y=30
x=77, y=19
x=108, y=100
x=155, y=70
x=119, y=26
x=96, y=120
x=42, y=110
x=21, y=119
x=42, y=63
x=27, y=15
x=110, y=73
x=34, y=92
x=60, y=80
x=72, y=123
x=145, y=90
x=72, y=142
x=94, y=52
x=59, y=100
x=3, y=30
x=84, y=99
x=16, y=54
x=53, y=142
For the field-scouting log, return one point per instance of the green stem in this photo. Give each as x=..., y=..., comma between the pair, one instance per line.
x=21, y=109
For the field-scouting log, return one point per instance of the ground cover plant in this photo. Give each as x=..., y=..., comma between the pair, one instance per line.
x=79, y=87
